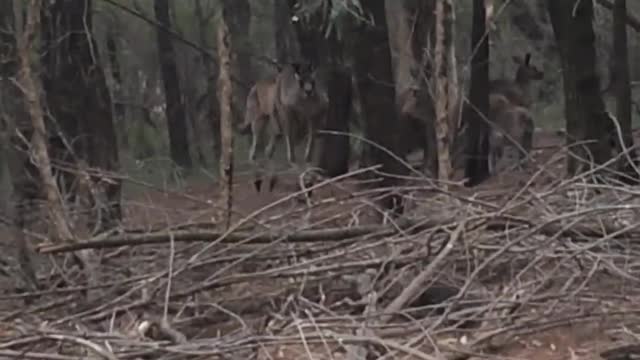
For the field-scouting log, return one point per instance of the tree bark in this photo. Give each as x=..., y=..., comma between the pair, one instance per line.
x=422, y=43
x=587, y=119
x=117, y=88
x=477, y=150
x=372, y=60
x=334, y=148
x=226, y=130
x=456, y=151
x=443, y=103
x=238, y=16
x=210, y=96
x=287, y=47
x=59, y=227
x=75, y=85
x=16, y=124
x=623, y=92
x=175, y=112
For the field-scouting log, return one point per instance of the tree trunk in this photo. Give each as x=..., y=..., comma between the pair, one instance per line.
x=238, y=16
x=373, y=71
x=61, y=230
x=309, y=33
x=24, y=175
x=175, y=113
x=287, y=47
x=404, y=21
x=225, y=93
x=444, y=103
x=423, y=38
x=117, y=88
x=623, y=92
x=75, y=85
x=477, y=150
x=334, y=148
x=422, y=43
x=210, y=105
x=456, y=151
x=587, y=119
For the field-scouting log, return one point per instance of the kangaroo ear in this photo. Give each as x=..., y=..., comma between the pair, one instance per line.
x=527, y=58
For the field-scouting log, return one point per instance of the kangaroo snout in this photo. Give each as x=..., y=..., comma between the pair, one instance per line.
x=308, y=89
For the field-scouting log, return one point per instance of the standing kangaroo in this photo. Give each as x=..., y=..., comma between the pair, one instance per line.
x=511, y=138
x=518, y=90
x=289, y=103
x=260, y=116
x=417, y=115
x=509, y=103
x=300, y=107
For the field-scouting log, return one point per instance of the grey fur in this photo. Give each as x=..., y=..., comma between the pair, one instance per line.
x=301, y=107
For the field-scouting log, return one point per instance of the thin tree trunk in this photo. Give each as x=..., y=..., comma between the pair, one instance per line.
x=477, y=169
x=238, y=19
x=374, y=78
x=75, y=85
x=117, y=88
x=225, y=93
x=587, y=119
x=623, y=90
x=212, y=106
x=175, y=113
x=287, y=46
x=15, y=121
x=29, y=83
x=456, y=151
x=422, y=45
x=442, y=101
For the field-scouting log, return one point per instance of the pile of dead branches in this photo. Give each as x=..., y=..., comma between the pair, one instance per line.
x=463, y=273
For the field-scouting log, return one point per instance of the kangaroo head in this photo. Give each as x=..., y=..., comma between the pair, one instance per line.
x=305, y=74
x=526, y=71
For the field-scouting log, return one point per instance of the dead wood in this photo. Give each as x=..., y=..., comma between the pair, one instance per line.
x=331, y=234
x=576, y=232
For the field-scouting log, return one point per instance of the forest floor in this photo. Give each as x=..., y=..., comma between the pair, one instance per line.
x=535, y=266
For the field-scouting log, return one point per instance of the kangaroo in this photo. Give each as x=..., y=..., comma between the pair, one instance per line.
x=300, y=107
x=288, y=104
x=260, y=116
x=517, y=91
x=417, y=115
x=511, y=138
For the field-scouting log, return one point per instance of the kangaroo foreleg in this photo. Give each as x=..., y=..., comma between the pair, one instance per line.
x=311, y=133
x=288, y=120
x=256, y=132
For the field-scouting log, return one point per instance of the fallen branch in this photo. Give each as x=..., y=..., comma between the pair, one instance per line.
x=331, y=234
x=414, y=289
x=577, y=232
